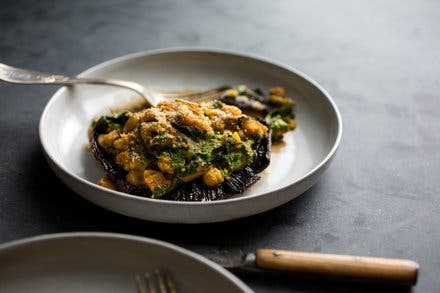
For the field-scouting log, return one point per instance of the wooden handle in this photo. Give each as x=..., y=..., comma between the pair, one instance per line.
x=340, y=267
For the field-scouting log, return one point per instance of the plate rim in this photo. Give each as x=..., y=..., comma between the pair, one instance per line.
x=4, y=247
x=147, y=53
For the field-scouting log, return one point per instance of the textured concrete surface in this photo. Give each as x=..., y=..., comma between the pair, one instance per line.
x=378, y=59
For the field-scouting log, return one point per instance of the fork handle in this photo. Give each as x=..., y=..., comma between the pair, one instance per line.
x=25, y=76
x=340, y=267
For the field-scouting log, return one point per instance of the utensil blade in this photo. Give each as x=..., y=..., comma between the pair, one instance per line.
x=233, y=259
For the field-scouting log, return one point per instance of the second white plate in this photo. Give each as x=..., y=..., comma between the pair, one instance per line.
x=295, y=165
x=105, y=262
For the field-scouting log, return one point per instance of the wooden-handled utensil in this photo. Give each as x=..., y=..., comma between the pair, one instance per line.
x=340, y=267
x=316, y=265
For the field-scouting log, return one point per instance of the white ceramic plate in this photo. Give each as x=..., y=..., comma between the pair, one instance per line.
x=105, y=262
x=295, y=166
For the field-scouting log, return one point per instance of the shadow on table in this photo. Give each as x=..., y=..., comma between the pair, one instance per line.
x=285, y=283
x=55, y=208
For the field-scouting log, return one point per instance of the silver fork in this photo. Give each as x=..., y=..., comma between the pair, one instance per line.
x=158, y=281
x=23, y=76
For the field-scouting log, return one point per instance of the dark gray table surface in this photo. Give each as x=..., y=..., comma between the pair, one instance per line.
x=380, y=60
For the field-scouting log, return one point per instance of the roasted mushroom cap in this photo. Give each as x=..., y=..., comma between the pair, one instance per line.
x=238, y=182
x=277, y=111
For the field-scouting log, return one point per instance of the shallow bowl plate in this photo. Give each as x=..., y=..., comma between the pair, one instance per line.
x=105, y=262
x=296, y=163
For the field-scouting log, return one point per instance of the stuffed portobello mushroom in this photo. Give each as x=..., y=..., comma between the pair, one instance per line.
x=188, y=151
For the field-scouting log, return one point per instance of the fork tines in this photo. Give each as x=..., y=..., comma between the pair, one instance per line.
x=197, y=96
x=158, y=281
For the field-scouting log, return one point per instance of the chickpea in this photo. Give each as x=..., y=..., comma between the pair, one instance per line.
x=231, y=93
x=131, y=123
x=253, y=127
x=164, y=164
x=106, y=140
x=277, y=100
x=278, y=91
x=213, y=177
x=291, y=122
x=236, y=138
x=135, y=177
x=154, y=179
x=122, y=143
